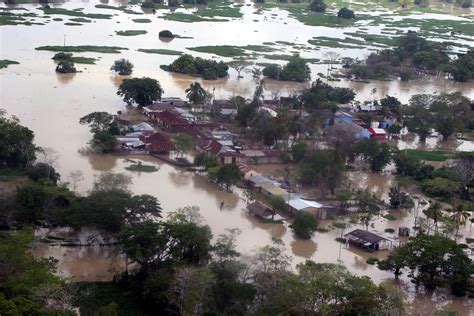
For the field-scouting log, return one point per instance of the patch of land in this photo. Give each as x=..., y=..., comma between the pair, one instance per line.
x=4, y=63
x=83, y=48
x=61, y=11
x=189, y=18
x=429, y=155
x=131, y=32
x=141, y=20
x=159, y=51
x=120, y=8
x=232, y=51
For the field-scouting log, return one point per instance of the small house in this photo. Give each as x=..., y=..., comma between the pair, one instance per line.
x=157, y=143
x=270, y=190
x=369, y=240
x=225, y=154
x=378, y=133
x=260, y=210
x=298, y=204
x=171, y=121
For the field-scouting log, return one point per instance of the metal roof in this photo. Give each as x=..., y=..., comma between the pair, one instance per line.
x=301, y=204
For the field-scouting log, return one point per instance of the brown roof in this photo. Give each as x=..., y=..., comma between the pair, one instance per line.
x=259, y=209
x=157, y=142
x=172, y=119
x=366, y=236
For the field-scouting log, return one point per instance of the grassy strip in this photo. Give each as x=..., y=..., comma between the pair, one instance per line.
x=8, y=18
x=120, y=8
x=141, y=168
x=337, y=42
x=80, y=20
x=84, y=60
x=61, y=11
x=232, y=51
x=72, y=24
x=131, y=32
x=4, y=63
x=189, y=18
x=83, y=48
x=429, y=155
x=289, y=57
x=160, y=51
x=141, y=20
x=372, y=38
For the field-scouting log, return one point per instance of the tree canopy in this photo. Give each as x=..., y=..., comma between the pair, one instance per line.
x=140, y=91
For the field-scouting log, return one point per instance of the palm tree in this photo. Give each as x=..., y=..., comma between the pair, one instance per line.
x=196, y=93
x=434, y=213
x=460, y=216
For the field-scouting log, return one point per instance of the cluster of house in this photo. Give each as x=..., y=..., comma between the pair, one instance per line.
x=170, y=116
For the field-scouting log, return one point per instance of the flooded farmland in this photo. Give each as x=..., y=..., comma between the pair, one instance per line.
x=51, y=104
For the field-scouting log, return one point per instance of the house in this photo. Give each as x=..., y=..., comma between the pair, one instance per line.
x=156, y=108
x=142, y=127
x=225, y=154
x=262, y=156
x=260, y=210
x=271, y=190
x=157, y=143
x=370, y=240
x=378, y=133
x=299, y=204
x=171, y=122
x=368, y=107
x=348, y=131
x=185, y=114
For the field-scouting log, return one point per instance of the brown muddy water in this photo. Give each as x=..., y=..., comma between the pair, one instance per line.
x=51, y=105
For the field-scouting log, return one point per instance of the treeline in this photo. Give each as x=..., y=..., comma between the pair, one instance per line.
x=414, y=53
x=199, y=67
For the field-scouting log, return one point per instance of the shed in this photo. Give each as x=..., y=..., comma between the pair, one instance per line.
x=260, y=210
x=378, y=133
x=369, y=240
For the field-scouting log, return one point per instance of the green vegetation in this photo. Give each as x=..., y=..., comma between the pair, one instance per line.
x=4, y=63
x=123, y=66
x=428, y=155
x=295, y=70
x=74, y=59
x=304, y=225
x=139, y=167
x=84, y=48
x=119, y=8
x=208, y=69
x=72, y=24
x=160, y=51
x=140, y=91
x=290, y=57
x=103, y=127
x=189, y=18
x=80, y=20
x=62, y=11
x=141, y=20
x=9, y=18
x=131, y=32
x=232, y=51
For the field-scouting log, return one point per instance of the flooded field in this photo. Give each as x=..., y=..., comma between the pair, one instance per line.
x=51, y=104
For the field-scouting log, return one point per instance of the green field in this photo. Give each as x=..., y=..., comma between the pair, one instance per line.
x=83, y=48
x=4, y=63
x=429, y=155
x=159, y=51
x=131, y=32
x=61, y=11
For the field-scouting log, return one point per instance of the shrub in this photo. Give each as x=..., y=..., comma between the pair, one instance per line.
x=346, y=13
x=166, y=33
x=298, y=151
x=123, y=66
x=441, y=187
x=317, y=6
x=65, y=66
x=372, y=260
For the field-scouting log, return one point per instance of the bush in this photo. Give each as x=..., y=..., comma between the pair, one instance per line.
x=166, y=33
x=304, y=225
x=41, y=171
x=295, y=70
x=208, y=69
x=317, y=6
x=65, y=66
x=345, y=13
x=372, y=260
x=441, y=187
x=123, y=66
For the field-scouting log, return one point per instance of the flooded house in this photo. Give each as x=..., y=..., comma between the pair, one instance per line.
x=296, y=205
x=378, y=133
x=369, y=240
x=171, y=122
x=157, y=143
x=260, y=210
x=224, y=151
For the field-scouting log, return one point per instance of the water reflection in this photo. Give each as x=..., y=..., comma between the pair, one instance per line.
x=101, y=162
x=65, y=78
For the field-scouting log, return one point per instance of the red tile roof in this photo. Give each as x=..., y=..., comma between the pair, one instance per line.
x=157, y=143
x=171, y=119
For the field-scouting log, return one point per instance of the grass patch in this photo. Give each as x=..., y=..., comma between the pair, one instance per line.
x=223, y=50
x=4, y=63
x=429, y=155
x=120, y=8
x=337, y=42
x=372, y=38
x=160, y=51
x=80, y=20
x=72, y=24
x=372, y=260
x=7, y=175
x=61, y=11
x=8, y=18
x=189, y=18
x=84, y=60
x=131, y=32
x=389, y=230
x=141, y=168
x=289, y=57
x=389, y=217
x=83, y=48
x=141, y=20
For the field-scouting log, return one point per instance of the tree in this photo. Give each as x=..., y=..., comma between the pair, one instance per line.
x=166, y=33
x=183, y=143
x=463, y=167
x=97, y=121
x=17, y=149
x=399, y=199
x=304, y=225
x=435, y=213
x=434, y=261
x=141, y=91
x=43, y=171
x=196, y=93
x=345, y=13
x=376, y=153
x=272, y=71
x=239, y=65
x=110, y=181
x=205, y=160
x=103, y=142
x=298, y=151
x=390, y=105
x=123, y=66
x=368, y=205
x=295, y=70
x=317, y=6
x=65, y=66
x=228, y=175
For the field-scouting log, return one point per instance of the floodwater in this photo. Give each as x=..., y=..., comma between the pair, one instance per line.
x=51, y=105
